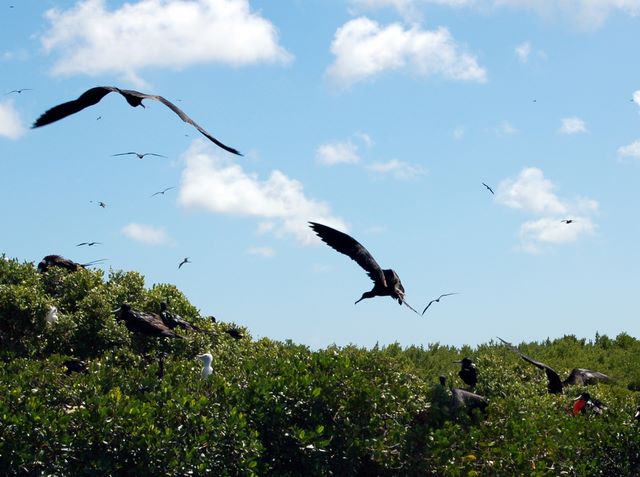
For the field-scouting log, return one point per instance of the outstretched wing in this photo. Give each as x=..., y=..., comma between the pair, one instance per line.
x=552, y=376
x=427, y=307
x=86, y=99
x=580, y=376
x=349, y=246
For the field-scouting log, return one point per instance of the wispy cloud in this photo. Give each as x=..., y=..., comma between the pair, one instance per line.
x=572, y=126
x=523, y=51
x=221, y=186
x=636, y=97
x=331, y=154
x=363, y=49
x=532, y=193
x=505, y=128
x=630, y=150
x=11, y=125
x=266, y=252
x=91, y=39
x=398, y=169
x=147, y=234
x=458, y=133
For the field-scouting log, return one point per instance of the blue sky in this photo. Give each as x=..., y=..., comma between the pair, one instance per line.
x=379, y=117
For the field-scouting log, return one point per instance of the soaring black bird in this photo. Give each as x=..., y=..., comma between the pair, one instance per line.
x=134, y=98
x=577, y=376
x=89, y=244
x=468, y=372
x=19, y=90
x=385, y=282
x=437, y=300
x=59, y=261
x=461, y=399
x=140, y=155
x=490, y=189
x=184, y=260
x=148, y=324
x=584, y=402
x=100, y=203
x=162, y=191
x=567, y=221
x=75, y=365
x=173, y=320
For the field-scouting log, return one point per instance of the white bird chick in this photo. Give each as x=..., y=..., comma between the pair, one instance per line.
x=206, y=360
x=52, y=314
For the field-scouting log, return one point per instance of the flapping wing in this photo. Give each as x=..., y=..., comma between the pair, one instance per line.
x=427, y=307
x=86, y=99
x=350, y=247
x=580, y=376
x=528, y=359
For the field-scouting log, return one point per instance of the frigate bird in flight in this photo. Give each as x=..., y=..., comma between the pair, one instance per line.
x=19, y=90
x=385, y=282
x=99, y=202
x=162, y=191
x=490, y=189
x=437, y=300
x=134, y=98
x=185, y=260
x=577, y=376
x=89, y=244
x=139, y=154
x=567, y=221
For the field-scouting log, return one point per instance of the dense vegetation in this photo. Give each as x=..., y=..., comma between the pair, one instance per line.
x=274, y=408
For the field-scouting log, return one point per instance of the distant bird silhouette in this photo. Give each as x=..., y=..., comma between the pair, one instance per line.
x=99, y=202
x=584, y=403
x=19, y=90
x=75, y=365
x=568, y=221
x=578, y=376
x=235, y=333
x=172, y=320
x=437, y=300
x=490, y=189
x=385, y=282
x=88, y=244
x=468, y=372
x=59, y=261
x=206, y=359
x=461, y=399
x=134, y=98
x=140, y=155
x=52, y=315
x=148, y=324
x=162, y=191
x=185, y=260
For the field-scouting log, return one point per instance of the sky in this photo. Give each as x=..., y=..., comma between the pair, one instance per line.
x=381, y=118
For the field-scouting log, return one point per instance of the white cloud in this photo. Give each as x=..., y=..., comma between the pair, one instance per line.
x=506, y=128
x=266, y=252
x=10, y=123
x=532, y=193
x=337, y=153
x=398, y=169
x=147, y=234
x=93, y=40
x=523, y=51
x=636, y=97
x=362, y=48
x=458, y=133
x=221, y=186
x=572, y=126
x=630, y=150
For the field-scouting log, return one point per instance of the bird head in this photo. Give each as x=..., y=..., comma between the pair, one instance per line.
x=119, y=312
x=206, y=358
x=365, y=295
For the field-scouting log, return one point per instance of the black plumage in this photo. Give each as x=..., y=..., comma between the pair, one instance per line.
x=577, y=376
x=385, y=282
x=468, y=372
x=585, y=403
x=139, y=154
x=462, y=399
x=489, y=188
x=75, y=365
x=437, y=300
x=134, y=98
x=148, y=324
x=62, y=262
x=173, y=320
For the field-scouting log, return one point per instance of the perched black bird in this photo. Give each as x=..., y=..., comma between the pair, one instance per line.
x=437, y=300
x=59, y=261
x=568, y=221
x=18, y=90
x=148, y=324
x=162, y=191
x=134, y=98
x=468, y=372
x=185, y=260
x=100, y=203
x=578, y=376
x=385, y=282
x=140, y=155
x=490, y=189
x=89, y=244
x=584, y=403
x=235, y=333
x=173, y=320
x=461, y=399
x=75, y=365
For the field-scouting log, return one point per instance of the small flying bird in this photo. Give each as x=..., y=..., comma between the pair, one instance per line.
x=206, y=359
x=75, y=365
x=18, y=90
x=186, y=260
x=52, y=315
x=148, y=324
x=99, y=202
x=468, y=372
x=385, y=282
x=89, y=244
x=568, y=221
x=584, y=403
x=59, y=261
x=490, y=189
x=162, y=191
x=437, y=300
x=578, y=376
x=134, y=98
x=140, y=155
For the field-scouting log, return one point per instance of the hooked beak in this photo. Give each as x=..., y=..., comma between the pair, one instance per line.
x=358, y=301
x=116, y=310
